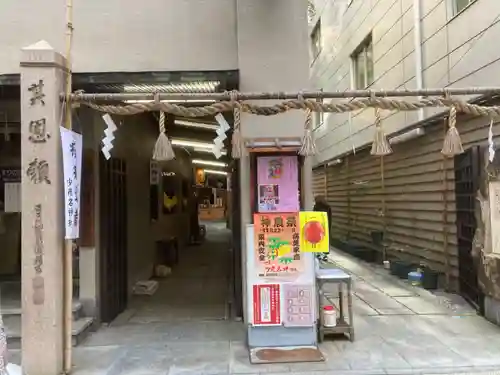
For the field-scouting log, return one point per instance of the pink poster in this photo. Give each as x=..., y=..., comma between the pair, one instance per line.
x=278, y=184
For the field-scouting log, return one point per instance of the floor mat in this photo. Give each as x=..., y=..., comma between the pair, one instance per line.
x=292, y=354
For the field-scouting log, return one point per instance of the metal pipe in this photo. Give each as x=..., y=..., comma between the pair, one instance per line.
x=417, y=38
x=116, y=97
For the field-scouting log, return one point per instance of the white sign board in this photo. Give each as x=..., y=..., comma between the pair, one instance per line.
x=307, y=277
x=72, y=165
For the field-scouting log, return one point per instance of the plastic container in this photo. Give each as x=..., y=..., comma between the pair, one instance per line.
x=401, y=269
x=415, y=278
x=429, y=279
x=329, y=316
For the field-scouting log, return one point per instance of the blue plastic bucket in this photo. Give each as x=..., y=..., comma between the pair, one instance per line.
x=415, y=278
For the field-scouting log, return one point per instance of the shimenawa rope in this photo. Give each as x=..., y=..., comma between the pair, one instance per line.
x=451, y=146
x=314, y=106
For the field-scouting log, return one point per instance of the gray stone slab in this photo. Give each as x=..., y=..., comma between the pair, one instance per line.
x=396, y=311
x=393, y=290
x=479, y=351
x=378, y=300
x=466, y=370
x=362, y=308
x=371, y=353
x=465, y=326
x=206, y=359
x=424, y=351
x=143, y=360
x=96, y=361
x=423, y=306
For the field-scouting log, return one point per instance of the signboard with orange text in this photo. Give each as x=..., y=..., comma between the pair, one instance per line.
x=277, y=250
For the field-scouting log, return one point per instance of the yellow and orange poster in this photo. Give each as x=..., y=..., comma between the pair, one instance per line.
x=314, y=232
x=277, y=245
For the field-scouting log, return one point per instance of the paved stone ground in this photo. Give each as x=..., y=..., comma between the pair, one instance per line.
x=399, y=329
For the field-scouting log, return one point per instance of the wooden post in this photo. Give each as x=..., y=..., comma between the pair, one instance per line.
x=348, y=183
x=444, y=170
x=68, y=246
x=384, y=210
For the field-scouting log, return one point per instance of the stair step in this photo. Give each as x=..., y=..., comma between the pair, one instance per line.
x=81, y=328
x=14, y=309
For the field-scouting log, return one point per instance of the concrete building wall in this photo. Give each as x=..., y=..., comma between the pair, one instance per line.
x=125, y=36
x=272, y=56
x=456, y=52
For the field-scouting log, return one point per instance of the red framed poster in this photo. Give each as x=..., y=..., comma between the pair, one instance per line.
x=266, y=304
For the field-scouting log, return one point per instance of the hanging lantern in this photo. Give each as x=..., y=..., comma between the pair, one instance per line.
x=314, y=232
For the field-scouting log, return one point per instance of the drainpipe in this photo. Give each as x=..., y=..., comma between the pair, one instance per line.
x=417, y=38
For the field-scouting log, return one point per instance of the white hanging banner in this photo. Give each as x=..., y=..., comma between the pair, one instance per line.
x=72, y=149
x=219, y=143
x=222, y=122
x=109, y=137
x=221, y=135
x=491, y=144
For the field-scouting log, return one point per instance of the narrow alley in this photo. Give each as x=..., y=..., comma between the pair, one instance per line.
x=183, y=328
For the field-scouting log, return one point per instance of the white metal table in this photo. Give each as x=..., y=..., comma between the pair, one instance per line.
x=326, y=276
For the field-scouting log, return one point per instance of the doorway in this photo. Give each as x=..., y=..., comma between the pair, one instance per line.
x=467, y=177
x=113, y=237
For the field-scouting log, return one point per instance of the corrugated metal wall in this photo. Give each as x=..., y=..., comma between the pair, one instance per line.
x=416, y=200
x=319, y=181
x=338, y=197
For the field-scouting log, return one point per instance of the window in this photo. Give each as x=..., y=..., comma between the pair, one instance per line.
x=316, y=40
x=362, y=59
x=459, y=5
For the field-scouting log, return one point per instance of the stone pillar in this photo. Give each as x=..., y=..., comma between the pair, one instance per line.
x=307, y=178
x=272, y=56
x=42, y=81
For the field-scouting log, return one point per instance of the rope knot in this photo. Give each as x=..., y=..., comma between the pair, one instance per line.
x=233, y=97
x=157, y=101
x=452, y=144
x=237, y=142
